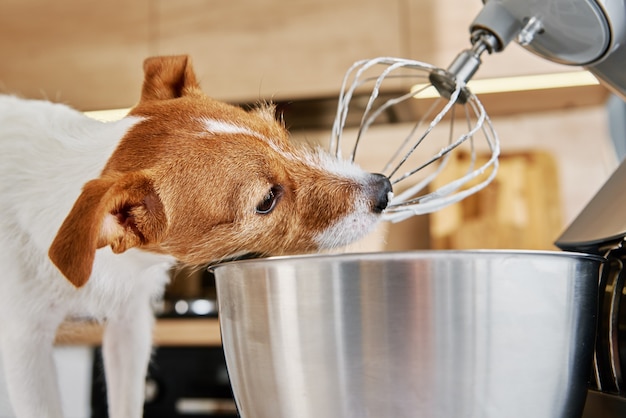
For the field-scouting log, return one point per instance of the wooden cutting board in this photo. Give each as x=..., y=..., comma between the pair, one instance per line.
x=520, y=209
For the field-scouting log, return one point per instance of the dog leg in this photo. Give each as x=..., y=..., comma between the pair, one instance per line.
x=126, y=348
x=30, y=372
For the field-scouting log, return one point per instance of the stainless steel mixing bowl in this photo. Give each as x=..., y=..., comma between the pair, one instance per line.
x=436, y=334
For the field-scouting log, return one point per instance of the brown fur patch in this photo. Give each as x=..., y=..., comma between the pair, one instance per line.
x=173, y=187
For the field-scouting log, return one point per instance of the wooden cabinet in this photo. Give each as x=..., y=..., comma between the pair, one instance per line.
x=89, y=53
x=84, y=53
x=252, y=50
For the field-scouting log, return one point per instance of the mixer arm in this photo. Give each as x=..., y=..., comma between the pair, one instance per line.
x=491, y=31
x=586, y=33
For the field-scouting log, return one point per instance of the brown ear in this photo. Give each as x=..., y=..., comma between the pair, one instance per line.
x=168, y=78
x=125, y=212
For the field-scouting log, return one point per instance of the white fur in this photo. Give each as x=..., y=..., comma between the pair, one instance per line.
x=221, y=127
x=47, y=153
x=350, y=228
x=341, y=167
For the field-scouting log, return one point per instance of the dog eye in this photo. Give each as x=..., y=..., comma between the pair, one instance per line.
x=269, y=201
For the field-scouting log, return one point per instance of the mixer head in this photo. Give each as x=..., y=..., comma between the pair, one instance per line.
x=587, y=33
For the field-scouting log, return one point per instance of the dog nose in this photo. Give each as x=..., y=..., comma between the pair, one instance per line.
x=381, y=192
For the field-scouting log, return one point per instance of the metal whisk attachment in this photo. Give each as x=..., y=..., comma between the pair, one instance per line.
x=453, y=124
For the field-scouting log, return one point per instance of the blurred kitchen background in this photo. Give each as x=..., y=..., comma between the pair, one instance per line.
x=561, y=134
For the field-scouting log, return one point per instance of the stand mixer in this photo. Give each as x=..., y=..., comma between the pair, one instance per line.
x=591, y=34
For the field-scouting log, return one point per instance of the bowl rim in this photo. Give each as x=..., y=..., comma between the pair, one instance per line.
x=403, y=255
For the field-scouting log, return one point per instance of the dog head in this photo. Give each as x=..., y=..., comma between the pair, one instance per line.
x=202, y=180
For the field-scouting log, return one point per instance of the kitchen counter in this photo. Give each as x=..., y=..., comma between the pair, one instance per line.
x=167, y=332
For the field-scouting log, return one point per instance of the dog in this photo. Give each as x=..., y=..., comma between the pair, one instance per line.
x=93, y=215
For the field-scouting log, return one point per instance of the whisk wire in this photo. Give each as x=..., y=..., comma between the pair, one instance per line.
x=411, y=201
x=431, y=126
x=346, y=94
x=408, y=138
x=471, y=174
